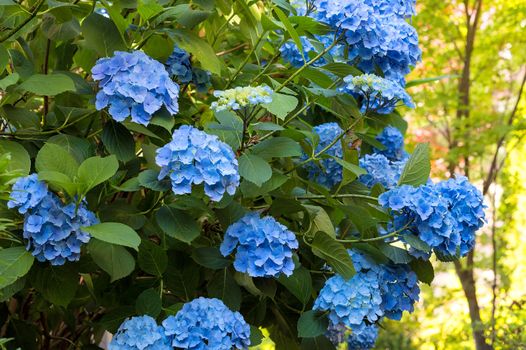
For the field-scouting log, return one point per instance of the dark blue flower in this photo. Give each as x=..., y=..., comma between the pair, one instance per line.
x=194, y=157
x=329, y=172
x=363, y=337
x=179, y=66
x=140, y=333
x=393, y=140
x=134, y=84
x=264, y=246
x=207, y=324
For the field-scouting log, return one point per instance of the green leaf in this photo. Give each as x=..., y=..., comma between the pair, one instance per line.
x=210, y=257
x=199, y=48
x=311, y=325
x=256, y=336
x=224, y=287
x=334, y=253
x=424, y=270
x=183, y=14
x=113, y=259
x=149, y=303
x=320, y=221
x=342, y=69
x=290, y=30
x=177, y=224
x=15, y=262
x=418, y=167
x=396, y=254
x=254, y=169
x=79, y=148
x=56, y=179
x=4, y=59
x=95, y=170
x=353, y=168
x=277, y=147
x=299, y=284
x=20, y=161
x=148, y=8
x=48, y=84
x=102, y=35
x=281, y=105
x=152, y=258
x=149, y=179
x=9, y=80
x=119, y=141
x=430, y=80
x=58, y=284
x=52, y=157
x=114, y=233
x=416, y=242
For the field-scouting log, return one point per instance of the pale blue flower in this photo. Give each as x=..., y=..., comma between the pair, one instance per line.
x=381, y=170
x=194, y=157
x=241, y=97
x=133, y=84
x=264, y=247
x=140, y=333
x=207, y=324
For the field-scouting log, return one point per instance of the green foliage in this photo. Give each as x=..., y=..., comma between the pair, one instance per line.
x=152, y=250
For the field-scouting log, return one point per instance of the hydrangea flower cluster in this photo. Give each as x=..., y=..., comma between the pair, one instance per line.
x=53, y=230
x=134, y=84
x=445, y=216
x=378, y=94
x=393, y=140
x=363, y=337
x=194, y=157
x=241, y=97
x=264, y=246
x=180, y=67
x=381, y=170
x=329, y=172
x=376, y=32
x=291, y=53
x=207, y=324
x=140, y=333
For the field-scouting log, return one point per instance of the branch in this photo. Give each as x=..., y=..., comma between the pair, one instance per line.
x=32, y=15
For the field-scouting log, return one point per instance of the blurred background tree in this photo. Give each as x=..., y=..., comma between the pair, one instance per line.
x=474, y=116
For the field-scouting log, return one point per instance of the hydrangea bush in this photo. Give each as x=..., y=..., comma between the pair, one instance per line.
x=190, y=175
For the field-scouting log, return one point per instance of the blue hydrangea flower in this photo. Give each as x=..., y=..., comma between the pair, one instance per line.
x=53, y=230
x=336, y=333
x=134, y=84
x=201, y=79
x=178, y=65
x=351, y=302
x=264, y=246
x=194, y=157
x=207, y=324
x=329, y=172
x=140, y=333
x=381, y=170
x=27, y=193
x=439, y=214
x=241, y=97
x=466, y=206
x=400, y=290
x=363, y=337
x=393, y=140
x=401, y=8
x=291, y=53
x=377, y=94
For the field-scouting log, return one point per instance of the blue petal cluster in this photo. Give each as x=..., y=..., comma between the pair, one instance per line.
x=180, y=67
x=445, y=216
x=329, y=172
x=351, y=302
x=376, y=32
x=363, y=337
x=291, y=53
x=377, y=94
x=134, y=84
x=393, y=140
x=400, y=290
x=207, y=324
x=194, y=157
x=381, y=170
x=26, y=193
x=241, y=97
x=53, y=231
x=264, y=246
x=140, y=333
